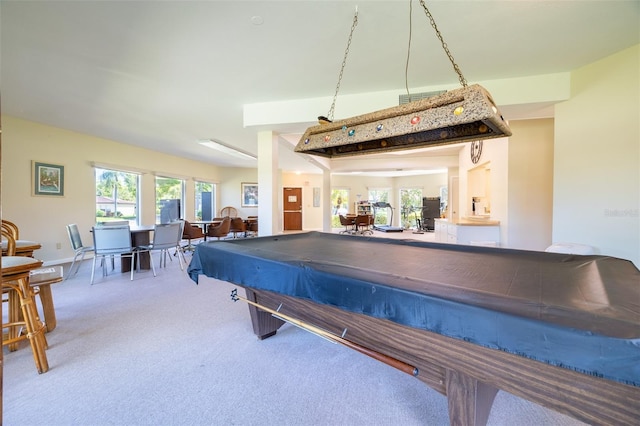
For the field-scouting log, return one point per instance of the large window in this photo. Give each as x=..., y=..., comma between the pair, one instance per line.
x=410, y=206
x=116, y=195
x=169, y=199
x=381, y=215
x=339, y=205
x=205, y=207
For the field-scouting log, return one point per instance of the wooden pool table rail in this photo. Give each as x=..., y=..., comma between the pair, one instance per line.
x=468, y=374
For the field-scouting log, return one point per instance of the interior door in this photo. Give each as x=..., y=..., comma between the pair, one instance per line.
x=292, y=209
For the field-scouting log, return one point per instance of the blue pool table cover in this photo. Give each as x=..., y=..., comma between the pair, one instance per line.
x=571, y=311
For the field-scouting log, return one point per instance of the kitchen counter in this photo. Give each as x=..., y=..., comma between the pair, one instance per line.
x=471, y=231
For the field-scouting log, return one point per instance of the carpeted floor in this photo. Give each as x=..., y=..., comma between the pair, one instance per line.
x=164, y=351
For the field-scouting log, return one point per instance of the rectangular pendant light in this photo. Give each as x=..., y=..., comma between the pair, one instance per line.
x=459, y=115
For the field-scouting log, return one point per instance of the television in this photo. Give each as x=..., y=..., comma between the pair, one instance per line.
x=169, y=210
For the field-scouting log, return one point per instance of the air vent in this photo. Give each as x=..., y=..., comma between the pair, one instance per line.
x=405, y=99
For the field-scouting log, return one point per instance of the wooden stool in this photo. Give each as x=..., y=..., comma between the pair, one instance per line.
x=40, y=281
x=15, y=280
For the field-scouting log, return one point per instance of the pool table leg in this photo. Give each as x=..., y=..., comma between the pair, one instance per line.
x=469, y=400
x=264, y=324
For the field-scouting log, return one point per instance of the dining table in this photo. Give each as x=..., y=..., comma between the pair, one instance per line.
x=140, y=236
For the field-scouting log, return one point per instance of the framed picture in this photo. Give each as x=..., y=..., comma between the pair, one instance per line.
x=249, y=193
x=316, y=197
x=48, y=179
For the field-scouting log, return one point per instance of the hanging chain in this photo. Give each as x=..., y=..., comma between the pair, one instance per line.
x=406, y=66
x=462, y=80
x=344, y=62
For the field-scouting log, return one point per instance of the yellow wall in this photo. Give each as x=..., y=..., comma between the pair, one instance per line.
x=530, y=195
x=44, y=219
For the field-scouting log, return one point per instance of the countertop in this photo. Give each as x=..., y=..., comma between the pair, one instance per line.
x=471, y=222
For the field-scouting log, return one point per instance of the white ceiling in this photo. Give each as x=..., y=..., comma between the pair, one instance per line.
x=164, y=74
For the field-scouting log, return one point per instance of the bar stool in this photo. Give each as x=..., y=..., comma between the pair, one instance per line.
x=15, y=281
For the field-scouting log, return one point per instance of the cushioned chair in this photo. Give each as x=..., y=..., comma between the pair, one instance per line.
x=220, y=230
x=191, y=232
x=78, y=248
x=252, y=226
x=349, y=224
x=363, y=224
x=238, y=226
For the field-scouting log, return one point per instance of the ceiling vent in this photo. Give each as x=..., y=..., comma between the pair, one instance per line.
x=405, y=99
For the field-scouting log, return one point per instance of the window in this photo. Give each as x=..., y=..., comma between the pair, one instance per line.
x=205, y=207
x=169, y=199
x=410, y=206
x=339, y=205
x=381, y=215
x=116, y=195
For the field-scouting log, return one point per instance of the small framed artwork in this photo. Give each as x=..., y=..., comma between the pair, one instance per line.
x=249, y=193
x=316, y=197
x=48, y=179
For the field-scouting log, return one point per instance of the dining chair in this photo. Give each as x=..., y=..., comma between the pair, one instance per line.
x=22, y=312
x=191, y=232
x=221, y=230
x=228, y=211
x=166, y=236
x=114, y=241
x=252, y=226
x=78, y=247
x=238, y=226
x=363, y=224
x=23, y=247
x=348, y=223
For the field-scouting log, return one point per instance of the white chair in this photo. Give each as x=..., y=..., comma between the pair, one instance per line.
x=165, y=237
x=79, y=248
x=111, y=241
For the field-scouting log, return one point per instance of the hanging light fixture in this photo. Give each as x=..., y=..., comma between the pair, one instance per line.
x=459, y=115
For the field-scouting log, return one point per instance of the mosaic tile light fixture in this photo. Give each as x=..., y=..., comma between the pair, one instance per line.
x=459, y=115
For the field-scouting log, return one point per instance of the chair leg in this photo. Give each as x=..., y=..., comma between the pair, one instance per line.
x=34, y=327
x=93, y=268
x=72, y=265
x=153, y=268
x=181, y=258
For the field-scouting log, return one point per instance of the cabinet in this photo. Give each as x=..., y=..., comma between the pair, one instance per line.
x=363, y=207
x=481, y=233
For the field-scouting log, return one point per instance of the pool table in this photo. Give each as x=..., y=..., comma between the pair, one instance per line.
x=560, y=330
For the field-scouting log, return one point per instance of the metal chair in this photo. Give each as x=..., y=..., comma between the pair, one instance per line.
x=78, y=248
x=111, y=241
x=166, y=237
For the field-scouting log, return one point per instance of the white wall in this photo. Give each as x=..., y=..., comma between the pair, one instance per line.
x=596, y=191
x=229, y=189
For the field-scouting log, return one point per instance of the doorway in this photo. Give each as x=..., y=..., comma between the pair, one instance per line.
x=292, y=206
